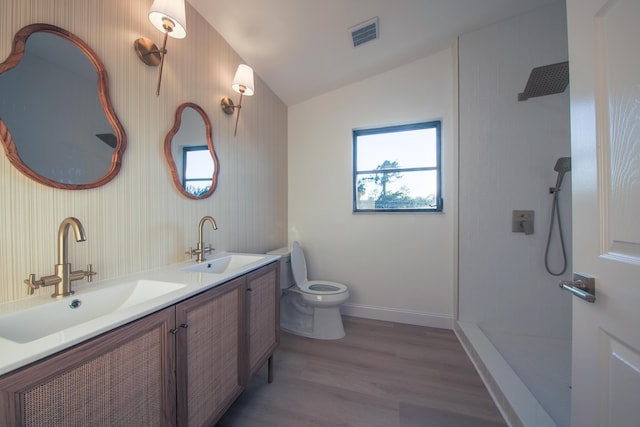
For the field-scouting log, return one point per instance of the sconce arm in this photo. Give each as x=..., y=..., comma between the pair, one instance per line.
x=163, y=53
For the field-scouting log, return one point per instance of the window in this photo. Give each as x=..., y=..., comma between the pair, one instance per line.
x=198, y=169
x=397, y=169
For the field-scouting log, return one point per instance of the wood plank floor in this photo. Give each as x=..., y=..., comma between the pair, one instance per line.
x=381, y=374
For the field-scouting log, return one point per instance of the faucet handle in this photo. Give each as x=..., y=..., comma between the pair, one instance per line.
x=90, y=273
x=208, y=249
x=191, y=252
x=81, y=274
x=32, y=283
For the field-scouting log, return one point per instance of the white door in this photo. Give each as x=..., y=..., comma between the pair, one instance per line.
x=604, y=60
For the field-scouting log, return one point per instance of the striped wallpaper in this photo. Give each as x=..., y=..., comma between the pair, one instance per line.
x=139, y=221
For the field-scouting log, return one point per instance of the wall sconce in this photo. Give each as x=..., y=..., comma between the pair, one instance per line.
x=169, y=17
x=243, y=84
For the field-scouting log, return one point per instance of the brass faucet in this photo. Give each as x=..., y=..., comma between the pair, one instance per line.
x=200, y=251
x=64, y=276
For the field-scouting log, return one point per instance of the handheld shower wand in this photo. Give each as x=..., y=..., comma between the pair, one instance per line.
x=563, y=165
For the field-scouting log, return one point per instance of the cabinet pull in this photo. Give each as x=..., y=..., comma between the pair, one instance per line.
x=249, y=290
x=176, y=330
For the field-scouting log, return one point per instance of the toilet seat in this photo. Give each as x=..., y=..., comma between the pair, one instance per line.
x=322, y=287
x=315, y=287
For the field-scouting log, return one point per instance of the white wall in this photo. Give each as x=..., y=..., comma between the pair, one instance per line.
x=508, y=150
x=397, y=266
x=139, y=220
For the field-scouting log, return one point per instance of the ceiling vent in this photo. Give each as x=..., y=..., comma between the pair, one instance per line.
x=365, y=32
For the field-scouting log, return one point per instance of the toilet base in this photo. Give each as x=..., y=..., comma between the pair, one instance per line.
x=323, y=323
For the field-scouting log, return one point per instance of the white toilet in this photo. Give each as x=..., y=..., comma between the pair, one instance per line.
x=308, y=308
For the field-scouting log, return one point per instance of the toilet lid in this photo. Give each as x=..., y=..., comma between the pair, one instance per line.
x=299, y=269
x=298, y=264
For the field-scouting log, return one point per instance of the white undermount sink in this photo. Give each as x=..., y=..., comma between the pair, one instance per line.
x=42, y=320
x=224, y=264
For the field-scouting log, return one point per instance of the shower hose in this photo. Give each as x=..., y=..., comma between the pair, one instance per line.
x=555, y=212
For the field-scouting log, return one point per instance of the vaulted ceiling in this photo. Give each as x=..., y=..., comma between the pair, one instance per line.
x=303, y=48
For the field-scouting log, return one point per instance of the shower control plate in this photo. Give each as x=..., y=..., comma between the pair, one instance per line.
x=522, y=222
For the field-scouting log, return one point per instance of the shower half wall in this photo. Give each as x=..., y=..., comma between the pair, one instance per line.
x=514, y=320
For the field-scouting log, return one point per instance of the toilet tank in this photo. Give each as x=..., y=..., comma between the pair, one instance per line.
x=286, y=275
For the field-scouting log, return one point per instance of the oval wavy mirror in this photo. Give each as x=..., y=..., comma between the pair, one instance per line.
x=57, y=124
x=190, y=154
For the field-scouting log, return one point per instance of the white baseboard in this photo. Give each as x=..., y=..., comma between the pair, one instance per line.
x=410, y=317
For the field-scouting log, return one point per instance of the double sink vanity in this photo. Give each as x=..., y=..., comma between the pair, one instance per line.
x=171, y=346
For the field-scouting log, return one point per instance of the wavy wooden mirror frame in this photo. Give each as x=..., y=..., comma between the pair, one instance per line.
x=16, y=55
x=168, y=154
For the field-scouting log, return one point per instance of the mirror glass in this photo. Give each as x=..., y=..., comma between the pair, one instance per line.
x=57, y=124
x=190, y=153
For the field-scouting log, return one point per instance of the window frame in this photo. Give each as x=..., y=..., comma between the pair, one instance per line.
x=434, y=124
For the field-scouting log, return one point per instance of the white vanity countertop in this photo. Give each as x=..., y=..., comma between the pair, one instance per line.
x=14, y=355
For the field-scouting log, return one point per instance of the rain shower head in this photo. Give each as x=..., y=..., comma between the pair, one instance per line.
x=563, y=165
x=546, y=80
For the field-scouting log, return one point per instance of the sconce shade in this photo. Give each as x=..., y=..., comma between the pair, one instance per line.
x=173, y=10
x=243, y=77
